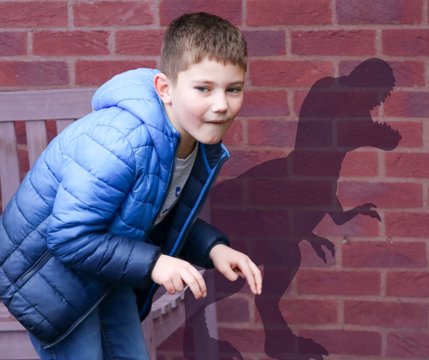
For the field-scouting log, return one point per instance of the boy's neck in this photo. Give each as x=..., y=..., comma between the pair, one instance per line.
x=185, y=147
x=187, y=142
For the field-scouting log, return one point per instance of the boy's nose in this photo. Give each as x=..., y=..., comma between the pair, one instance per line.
x=219, y=103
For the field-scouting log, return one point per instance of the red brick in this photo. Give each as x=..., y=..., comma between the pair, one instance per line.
x=333, y=42
x=379, y=11
x=277, y=251
x=13, y=43
x=360, y=226
x=233, y=310
x=243, y=160
x=228, y=193
x=272, y=133
x=35, y=73
x=384, y=255
x=331, y=99
x=23, y=162
x=406, y=73
x=316, y=164
x=307, y=311
x=309, y=257
x=407, y=165
x=253, y=223
x=266, y=164
x=407, y=284
x=297, y=312
x=33, y=14
x=408, y=344
x=314, y=139
x=352, y=134
x=299, y=194
x=406, y=42
x=288, y=12
x=90, y=72
x=338, y=282
x=349, y=342
x=51, y=129
x=298, y=100
x=134, y=42
x=234, y=135
x=360, y=164
x=246, y=340
x=228, y=9
x=288, y=73
x=407, y=104
x=70, y=43
x=382, y=194
x=411, y=133
x=265, y=43
x=407, y=224
x=111, y=13
x=265, y=103
x=20, y=132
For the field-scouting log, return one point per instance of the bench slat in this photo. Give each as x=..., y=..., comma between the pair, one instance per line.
x=62, y=124
x=9, y=168
x=64, y=106
x=45, y=104
x=37, y=139
x=11, y=346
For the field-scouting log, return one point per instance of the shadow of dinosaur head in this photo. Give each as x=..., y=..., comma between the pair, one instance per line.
x=336, y=113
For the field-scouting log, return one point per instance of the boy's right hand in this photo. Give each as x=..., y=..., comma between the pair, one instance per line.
x=174, y=274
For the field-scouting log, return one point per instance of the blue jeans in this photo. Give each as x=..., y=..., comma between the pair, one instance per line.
x=112, y=331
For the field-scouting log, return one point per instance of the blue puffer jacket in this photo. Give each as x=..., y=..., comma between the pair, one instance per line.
x=82, y=219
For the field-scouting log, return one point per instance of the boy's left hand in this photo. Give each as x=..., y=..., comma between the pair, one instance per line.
x=232, y=263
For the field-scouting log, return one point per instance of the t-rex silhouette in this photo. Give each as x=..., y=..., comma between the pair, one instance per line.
x=288, y=197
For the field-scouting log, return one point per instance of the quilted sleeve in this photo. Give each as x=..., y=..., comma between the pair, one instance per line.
x=200, y=241
x=97, y=173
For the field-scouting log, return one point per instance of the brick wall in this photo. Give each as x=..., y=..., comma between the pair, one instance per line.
x=370, y=300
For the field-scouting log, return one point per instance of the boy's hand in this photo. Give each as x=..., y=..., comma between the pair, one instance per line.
x=174, y=274
x=232, y=263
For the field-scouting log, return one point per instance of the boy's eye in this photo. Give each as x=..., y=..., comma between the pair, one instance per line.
x=235, y=90
x=202, y=89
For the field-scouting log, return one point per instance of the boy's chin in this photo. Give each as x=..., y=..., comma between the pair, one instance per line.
x=211, y=137
x=210, y=141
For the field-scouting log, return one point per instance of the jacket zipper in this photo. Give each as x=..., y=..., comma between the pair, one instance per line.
x=77, y=322
x=192, y=218
x=170, y=179
x=36, y=267
x=198, y=203
x=83, y=317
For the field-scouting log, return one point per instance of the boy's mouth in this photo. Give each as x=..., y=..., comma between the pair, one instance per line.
x=218, y=121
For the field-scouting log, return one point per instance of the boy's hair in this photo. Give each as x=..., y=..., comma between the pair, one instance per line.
x=192, y=37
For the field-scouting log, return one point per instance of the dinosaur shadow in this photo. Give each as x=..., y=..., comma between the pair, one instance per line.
x=286, y=198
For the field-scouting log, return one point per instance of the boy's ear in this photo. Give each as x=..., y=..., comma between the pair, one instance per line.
x=162, y=87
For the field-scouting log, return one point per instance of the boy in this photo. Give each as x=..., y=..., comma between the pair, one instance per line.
x=112, y=202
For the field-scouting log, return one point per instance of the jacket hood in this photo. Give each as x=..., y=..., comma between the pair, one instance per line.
x=134, y=91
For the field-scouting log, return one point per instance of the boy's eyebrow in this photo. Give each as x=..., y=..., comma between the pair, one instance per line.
x=212, y=82
x=237, y=83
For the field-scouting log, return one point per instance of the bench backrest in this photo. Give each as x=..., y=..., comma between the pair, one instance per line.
x=29, y=112
x=28, y=119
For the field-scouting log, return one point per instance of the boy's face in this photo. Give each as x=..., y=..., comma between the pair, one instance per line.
x=204, y=101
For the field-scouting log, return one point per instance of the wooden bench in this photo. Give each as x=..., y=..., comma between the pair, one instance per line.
x=37, y=116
